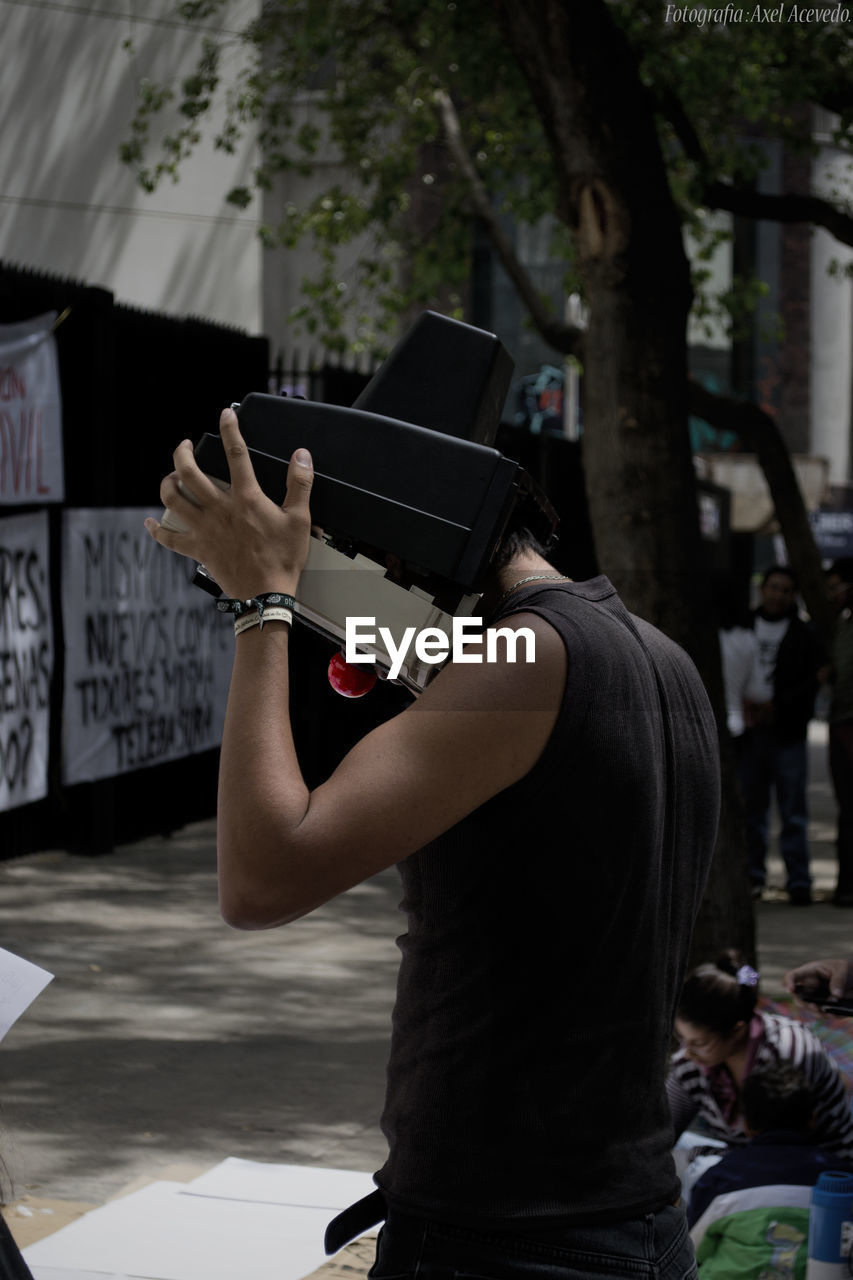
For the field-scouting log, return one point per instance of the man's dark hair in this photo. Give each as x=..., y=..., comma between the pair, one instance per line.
x=842, y=568
x=514, y=541
x=779, y=568
x=778, y=1097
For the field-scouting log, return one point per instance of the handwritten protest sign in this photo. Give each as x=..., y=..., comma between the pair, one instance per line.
x=26, y=658
x=31, y=467
x=147, y=655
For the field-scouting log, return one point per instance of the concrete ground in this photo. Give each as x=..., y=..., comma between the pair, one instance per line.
x=167, y=1037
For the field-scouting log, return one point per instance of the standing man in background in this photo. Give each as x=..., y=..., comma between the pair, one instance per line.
x=778, y=710
x=839, y=583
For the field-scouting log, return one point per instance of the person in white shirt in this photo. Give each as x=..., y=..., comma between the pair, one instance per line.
x=738, y=651
x=773, y=758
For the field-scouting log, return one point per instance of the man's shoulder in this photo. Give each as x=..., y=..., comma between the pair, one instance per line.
x=602, y=635
x=801, y=625
x=669, y=657
x=804, y=630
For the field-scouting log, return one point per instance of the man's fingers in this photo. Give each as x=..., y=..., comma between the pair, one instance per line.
x=158, y=533
x=839, y=977
x=236, y=451
x=175, y=493
x=300, y=478
x=191, y=484
x=167, y=538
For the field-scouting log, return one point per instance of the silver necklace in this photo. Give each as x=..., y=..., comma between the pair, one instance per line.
x=535, y=577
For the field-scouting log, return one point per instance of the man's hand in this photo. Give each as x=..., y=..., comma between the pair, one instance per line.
x=814, y=981
x=246, y=542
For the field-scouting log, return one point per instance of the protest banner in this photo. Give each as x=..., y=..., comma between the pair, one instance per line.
x=147, y=654
x=31, y=463
x=26, y=658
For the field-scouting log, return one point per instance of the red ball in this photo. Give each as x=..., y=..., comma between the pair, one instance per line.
x=349, y=679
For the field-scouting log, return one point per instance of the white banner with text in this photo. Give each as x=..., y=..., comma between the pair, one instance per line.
x=26, y=658
x=31, y=465
x=147, y=654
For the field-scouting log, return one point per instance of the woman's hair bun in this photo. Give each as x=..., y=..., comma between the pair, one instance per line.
x=720, y=995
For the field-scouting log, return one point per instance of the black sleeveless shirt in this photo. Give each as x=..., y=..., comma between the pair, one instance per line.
x=546, y=944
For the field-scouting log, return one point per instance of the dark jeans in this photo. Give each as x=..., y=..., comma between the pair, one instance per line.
x=768, y=763
x=841, y=768
x=656, y=1245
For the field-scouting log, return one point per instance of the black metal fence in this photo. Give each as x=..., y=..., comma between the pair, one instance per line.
x=132, y=383
x=332, y=379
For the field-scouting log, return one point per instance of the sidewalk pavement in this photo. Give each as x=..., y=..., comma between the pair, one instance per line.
x=169, y=1039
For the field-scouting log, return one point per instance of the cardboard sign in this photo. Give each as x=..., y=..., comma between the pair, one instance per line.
x=147, y=655
x=26, y=658
x=31, y=464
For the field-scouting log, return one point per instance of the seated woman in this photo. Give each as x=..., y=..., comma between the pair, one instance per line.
x=723, y=1039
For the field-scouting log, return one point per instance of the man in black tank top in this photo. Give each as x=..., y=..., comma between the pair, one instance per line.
x=553, y=821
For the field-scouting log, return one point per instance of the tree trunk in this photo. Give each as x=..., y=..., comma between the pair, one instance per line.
x=614, y=194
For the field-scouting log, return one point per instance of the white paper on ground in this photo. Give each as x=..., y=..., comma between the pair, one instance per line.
x=20, y=983
x=168, y=1231
x=293, y=1184
x=62, y=1273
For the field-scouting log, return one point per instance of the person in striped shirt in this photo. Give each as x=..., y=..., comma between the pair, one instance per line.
x=724, y=1038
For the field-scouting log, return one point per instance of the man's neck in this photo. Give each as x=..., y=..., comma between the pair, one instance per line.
x=526, y=564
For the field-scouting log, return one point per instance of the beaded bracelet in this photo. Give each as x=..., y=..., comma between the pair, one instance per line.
x=273, y=613
x=259, y=603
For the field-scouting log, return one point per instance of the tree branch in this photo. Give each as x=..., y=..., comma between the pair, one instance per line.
x=760, y=434
x=562, y=337
x=742, y=201
x=781, y=208
x=670, y=106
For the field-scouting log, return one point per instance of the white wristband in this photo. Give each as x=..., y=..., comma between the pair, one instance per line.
x=272, y=613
